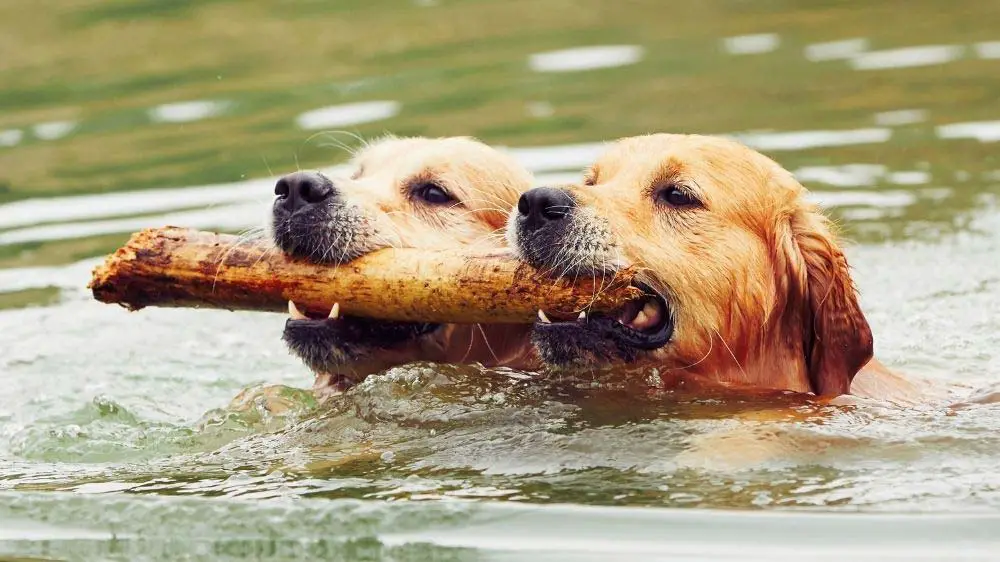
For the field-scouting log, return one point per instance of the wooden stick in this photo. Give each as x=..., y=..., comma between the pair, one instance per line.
x=176, y=267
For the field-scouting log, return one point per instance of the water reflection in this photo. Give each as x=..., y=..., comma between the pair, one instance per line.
x=900, y=117
x=347, y=115
x=188, y=111
x=924, y=55
x=10, y=137
x=84, y=207
x=751, y=44
x=585, y=58
x=805, y=140
x=70, y=278
x=983, y=131
x=53, y=130
x=988, y=50
x=229, y=529
x=836, y=50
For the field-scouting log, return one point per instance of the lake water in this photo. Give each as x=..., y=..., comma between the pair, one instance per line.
x=118, y=435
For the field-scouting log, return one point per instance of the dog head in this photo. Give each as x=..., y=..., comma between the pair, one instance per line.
x=744, y=279
x=403, y=193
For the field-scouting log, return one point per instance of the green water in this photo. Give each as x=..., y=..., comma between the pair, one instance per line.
x=118, y=435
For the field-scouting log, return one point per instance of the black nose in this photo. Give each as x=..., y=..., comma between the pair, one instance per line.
x=302, y=189
x=544, y=204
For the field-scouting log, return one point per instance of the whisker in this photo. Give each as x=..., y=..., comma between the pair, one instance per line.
x=245, y=237
x=711, y=345
x=731, y=354
x=486, y=340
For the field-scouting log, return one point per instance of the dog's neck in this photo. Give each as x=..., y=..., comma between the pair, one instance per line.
x=772, y=363
x=745, y=352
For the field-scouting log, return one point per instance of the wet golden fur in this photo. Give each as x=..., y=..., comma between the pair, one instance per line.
x=758, y=285
x=485, y=181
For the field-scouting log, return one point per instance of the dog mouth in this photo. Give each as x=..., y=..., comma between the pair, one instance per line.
x=377, y=331
x=337, y=343
x=642, y=324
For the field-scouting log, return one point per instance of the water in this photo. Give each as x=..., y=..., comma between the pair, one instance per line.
x=122, y=437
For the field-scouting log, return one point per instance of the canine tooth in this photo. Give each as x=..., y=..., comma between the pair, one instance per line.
x=294, y=312
x=335, y=311
x=543, y=317
x=582, y=316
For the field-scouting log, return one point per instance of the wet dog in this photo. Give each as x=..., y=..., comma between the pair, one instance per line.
x=402, y=193
x=744, y=280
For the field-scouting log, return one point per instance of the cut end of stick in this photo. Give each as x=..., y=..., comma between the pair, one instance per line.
x=109, y=281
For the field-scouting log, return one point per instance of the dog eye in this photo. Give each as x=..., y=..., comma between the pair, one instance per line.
x=432, y=193
x=676, y=197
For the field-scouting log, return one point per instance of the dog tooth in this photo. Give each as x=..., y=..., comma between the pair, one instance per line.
x=582, y=316
x=641, y=320
x=335, y=311
x=294, y=312
x=543, y=317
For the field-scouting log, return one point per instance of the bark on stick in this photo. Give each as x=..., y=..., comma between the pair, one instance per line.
x=177, y=267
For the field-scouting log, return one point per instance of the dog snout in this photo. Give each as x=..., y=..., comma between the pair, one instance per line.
x=302, y=189
x=543, y=205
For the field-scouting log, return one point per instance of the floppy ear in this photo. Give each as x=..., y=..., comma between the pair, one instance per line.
x=837, y=338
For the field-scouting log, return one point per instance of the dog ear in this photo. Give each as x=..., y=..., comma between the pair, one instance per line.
x=837, y=338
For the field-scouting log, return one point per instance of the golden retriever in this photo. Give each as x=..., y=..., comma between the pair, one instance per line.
x=403, y=192
x=745, y=282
